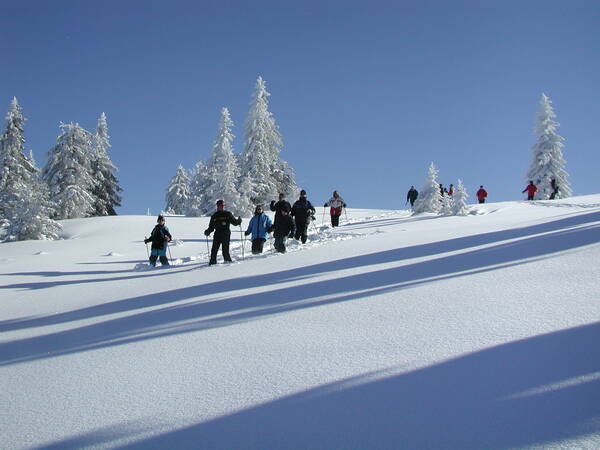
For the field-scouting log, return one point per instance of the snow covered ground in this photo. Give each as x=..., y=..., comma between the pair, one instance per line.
x=391, y=331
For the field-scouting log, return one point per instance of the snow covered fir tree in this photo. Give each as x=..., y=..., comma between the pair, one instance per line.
x=264, y=173
x=25, y=209
x=68, y=173
x=178, y=193
x=430, y=198
x=106, y=189
x=460, y=197
x=548, y=163
x=196, y=189
x=223, y=173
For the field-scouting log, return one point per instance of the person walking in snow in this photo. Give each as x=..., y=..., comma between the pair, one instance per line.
x=219, y=223
x=160, y=238
x=303, y=212
x=481, y=194
x=554, y=186
x=412, y=195
x=450, y=191
x=283, y=228
x=531, y=189
x=336, y=204
x=279, y=205
x=259, y=227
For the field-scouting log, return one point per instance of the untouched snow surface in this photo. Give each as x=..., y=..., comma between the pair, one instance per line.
x=391, y=331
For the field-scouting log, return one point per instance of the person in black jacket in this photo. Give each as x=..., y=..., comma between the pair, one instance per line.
x=219, y=223
x=279, y=206
x=282, y=228
x=303, y=212
x=412, y=195
x=160, y=238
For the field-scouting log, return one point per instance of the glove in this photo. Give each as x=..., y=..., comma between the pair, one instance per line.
x=147, y=240
x=344, y=205
x=246, y=233
x=206, y=233
x=272, y=203
x=325, y=205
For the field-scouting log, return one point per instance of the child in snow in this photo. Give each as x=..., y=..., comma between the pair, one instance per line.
x=160, y=238
x=259, y=227
x=336, y=203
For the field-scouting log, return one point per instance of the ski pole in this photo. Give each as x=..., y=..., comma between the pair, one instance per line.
x=346, y=214
x=323, y=218
x=170, y=256
x=207, y=248
x=243, y=242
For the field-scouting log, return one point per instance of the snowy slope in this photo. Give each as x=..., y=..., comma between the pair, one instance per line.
x=391, y=331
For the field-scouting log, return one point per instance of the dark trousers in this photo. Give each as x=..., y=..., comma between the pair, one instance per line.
x=257, y=245
x=335, y=220
x=530, y=197
x=301, y=231
x=482, y=200
x=159, y=253
x=219, y=241
x=279, y=243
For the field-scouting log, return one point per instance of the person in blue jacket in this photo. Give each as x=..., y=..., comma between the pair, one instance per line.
x=259, y=227
x=160, y=238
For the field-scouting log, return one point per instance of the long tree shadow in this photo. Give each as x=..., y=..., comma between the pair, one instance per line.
x=532, y=392
x=214, y=307
x=303, y=273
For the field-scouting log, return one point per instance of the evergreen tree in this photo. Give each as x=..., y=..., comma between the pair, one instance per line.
x=178, y=192
x=447, y=207
x=16, y=170
x=223, y=172
x=198, y=183
x=430, y=199
x=264, y=174
x=548, y=163
x=68, y=173
x=24, y=206
x=460, y=207
x=106, y=190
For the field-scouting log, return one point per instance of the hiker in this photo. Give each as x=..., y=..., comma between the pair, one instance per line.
x=219, y=223
x=450, y=190
x=303, y=212
x=279, y=205
x=259, y=227
x=481, y=194
x=442, y=190
x=336, y=203
x=531, y=189
x=160, y=238
x=282, y=228
x=554, y=186
x=412, y=195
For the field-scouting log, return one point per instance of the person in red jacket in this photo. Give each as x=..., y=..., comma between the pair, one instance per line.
x=531, y=189
x=481, y=194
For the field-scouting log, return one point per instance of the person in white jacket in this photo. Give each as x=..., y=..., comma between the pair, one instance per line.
x=336, y=204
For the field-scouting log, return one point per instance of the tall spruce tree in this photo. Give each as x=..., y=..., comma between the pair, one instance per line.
x=264, y=173
x=25, y=209
x=178, y=193
x=68, y=172
x=223, y=172
x=430, y=198
x=106, y=190
x=548, y=163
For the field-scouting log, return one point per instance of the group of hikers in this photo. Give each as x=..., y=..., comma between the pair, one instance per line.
x=482, y=194
x=290, y=221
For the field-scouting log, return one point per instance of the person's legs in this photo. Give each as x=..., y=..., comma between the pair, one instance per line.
x=153, y=257
x=225, y=249
x=214, y=250
x=335, y=220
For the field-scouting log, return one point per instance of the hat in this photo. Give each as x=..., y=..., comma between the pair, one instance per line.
x=160, y=218
x=302, y=192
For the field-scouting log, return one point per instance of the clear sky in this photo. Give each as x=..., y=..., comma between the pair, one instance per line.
x=366, y=94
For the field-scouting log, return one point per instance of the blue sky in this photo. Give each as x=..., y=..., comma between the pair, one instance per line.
x=366, y=94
